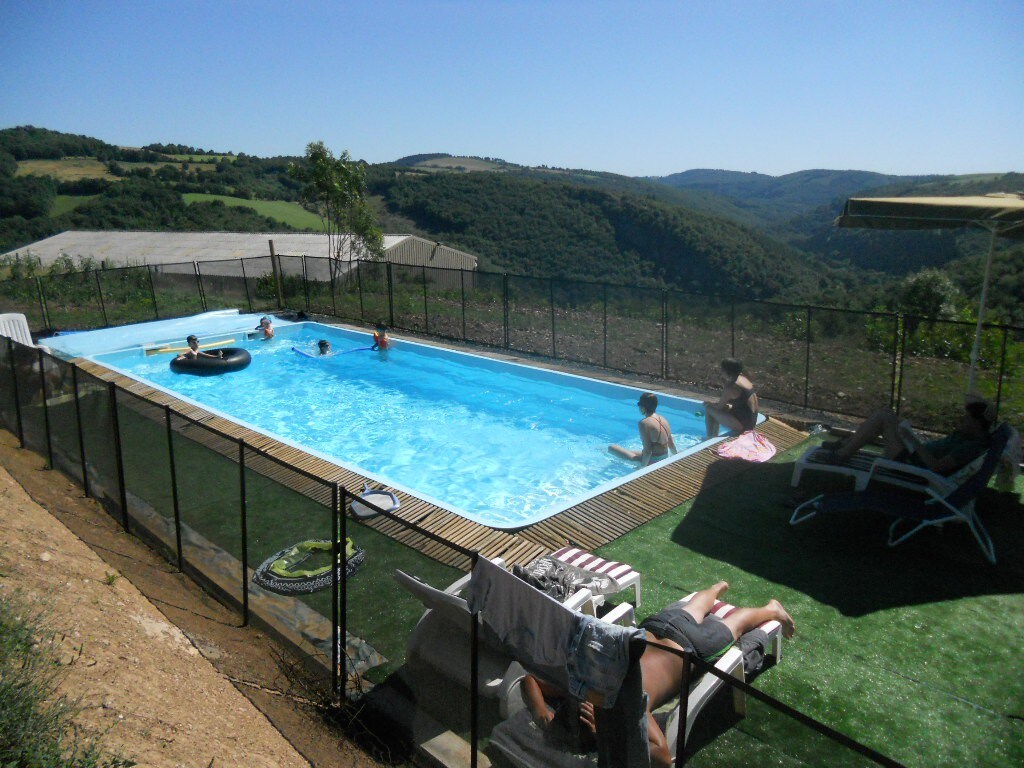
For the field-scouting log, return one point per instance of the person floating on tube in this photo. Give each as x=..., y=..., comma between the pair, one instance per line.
x=193, y=350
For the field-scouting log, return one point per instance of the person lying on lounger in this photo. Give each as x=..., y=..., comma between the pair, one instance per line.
x=943, y=456
x=691, y=626
x=555, y=711
x=688, y=626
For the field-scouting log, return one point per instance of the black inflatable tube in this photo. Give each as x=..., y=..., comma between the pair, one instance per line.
x=234, y=359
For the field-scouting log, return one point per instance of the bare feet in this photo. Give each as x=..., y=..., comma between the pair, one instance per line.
x=720, y=588
x=783, y=617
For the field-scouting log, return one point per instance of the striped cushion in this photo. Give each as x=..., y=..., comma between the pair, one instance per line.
x=580, y=558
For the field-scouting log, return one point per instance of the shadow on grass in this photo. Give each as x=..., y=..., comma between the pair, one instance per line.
x=742, y=517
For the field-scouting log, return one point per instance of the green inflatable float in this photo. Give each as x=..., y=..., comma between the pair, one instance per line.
x=306, y=567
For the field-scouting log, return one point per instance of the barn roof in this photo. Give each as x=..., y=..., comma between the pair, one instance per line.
x=134, y=248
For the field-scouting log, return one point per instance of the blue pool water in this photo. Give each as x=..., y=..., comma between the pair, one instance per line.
x=502, y=444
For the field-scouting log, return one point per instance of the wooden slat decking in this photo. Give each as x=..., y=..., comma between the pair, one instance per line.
x=589, y=524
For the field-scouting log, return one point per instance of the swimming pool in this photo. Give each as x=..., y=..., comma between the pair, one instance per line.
x=499, y=443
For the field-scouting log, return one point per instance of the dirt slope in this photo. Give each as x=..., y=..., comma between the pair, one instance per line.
x=162, y=677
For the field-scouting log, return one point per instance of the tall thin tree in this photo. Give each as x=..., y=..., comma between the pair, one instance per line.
x=335, y=188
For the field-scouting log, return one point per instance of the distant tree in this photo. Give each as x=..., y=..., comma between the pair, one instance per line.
x=929, y=293
x=335, y=189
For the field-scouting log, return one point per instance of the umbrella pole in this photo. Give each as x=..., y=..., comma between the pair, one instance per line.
x=981, y=313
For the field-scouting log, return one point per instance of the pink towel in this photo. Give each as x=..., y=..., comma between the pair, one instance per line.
x=752, y=446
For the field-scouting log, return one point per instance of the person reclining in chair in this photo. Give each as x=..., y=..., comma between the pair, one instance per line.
x=943, y=456
x=690, y=626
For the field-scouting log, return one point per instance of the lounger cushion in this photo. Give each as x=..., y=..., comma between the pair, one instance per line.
x=580, y=558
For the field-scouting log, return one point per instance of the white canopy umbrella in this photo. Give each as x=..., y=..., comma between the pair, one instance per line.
x=1002, y=214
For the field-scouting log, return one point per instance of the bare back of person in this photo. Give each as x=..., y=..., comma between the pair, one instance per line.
x=658, y=433
x=662, y=671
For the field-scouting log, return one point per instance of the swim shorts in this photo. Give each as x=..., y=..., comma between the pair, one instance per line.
x=709, y=639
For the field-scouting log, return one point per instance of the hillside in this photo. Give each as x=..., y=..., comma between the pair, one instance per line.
x=775, y=199
x=537, y=222
x=743, y=234
x=525, y=224
x=798, y=209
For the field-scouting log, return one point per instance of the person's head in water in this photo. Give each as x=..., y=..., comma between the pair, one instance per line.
x=732, y=368
x=192, y=340
x=324, y=346
x=648, y=403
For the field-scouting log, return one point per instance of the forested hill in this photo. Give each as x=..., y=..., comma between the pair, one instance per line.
x=552, y=227
x=775, y=199
x=713, y=231
x=533, y=222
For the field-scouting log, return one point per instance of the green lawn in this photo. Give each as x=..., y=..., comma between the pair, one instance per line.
x=289, y=213
x=910, y=650
x=64, y=203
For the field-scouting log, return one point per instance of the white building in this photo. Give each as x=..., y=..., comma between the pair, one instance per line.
x=120, y=249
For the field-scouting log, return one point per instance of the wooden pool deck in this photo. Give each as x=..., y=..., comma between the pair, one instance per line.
x=589, y=524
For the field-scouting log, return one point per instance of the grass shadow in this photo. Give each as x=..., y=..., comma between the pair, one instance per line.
x=743, y=518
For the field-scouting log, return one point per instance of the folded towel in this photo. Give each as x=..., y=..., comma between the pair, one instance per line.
x=750, y=446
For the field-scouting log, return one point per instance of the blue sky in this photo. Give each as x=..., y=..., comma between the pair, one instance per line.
x=635, y=88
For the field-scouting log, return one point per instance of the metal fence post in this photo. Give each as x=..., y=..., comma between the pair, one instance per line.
x=99, y=293
x=275, y=265
x=245, y=532
x=807, y=357
x=462, y=287
x=152, y=291
x=604, y=325
x=80, y=430
x=902, y=327
x=474, y=697
x=42, y=303
x=391, y=294
x=46, y=407
x=684, y=713
x=336, y=588
x=115, y=422
x=359, y=285
x=426, y=309
x=199, y=285
x=732, y=326
x=174, y=488
x=334, y=286
x=343, y=594
x=245, y=282
x=305, y=281
x=664, y=334
x=1002, y=370
x=551, y=301
x=893, y=398
x=17, y=394
x=504, y=302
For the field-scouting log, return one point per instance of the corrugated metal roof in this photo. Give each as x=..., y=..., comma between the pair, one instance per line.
x=134, y=248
